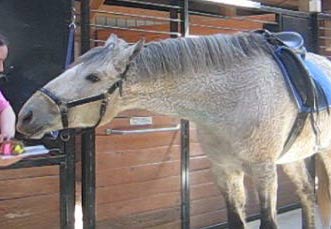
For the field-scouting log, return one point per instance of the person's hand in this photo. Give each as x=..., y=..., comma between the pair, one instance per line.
x=6, y=161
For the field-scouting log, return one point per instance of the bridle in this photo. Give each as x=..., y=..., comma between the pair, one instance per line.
x=65, y=106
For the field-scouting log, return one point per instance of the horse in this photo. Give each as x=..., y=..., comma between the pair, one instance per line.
x=230, y=86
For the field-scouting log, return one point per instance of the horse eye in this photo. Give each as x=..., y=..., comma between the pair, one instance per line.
x=93, y=78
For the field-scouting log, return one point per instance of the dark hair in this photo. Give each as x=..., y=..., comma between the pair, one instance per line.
x=3, y=40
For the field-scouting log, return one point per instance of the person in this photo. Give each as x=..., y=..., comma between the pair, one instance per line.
x=7, y=115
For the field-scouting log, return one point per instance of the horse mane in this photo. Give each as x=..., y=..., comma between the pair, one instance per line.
x=202, y=54
x=191, y=55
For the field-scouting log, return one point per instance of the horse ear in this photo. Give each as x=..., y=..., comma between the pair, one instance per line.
x=112, y=40
x=126, y=55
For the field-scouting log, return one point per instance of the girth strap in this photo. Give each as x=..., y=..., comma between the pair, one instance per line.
x=296, y=129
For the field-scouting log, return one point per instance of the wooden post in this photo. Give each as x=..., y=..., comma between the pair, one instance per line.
x=304, y=5
x=95, y=5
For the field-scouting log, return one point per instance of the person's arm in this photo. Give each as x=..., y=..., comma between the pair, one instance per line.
x=7, y=123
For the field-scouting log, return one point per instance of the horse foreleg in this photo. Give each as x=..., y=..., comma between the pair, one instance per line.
x=298, y=174
x=231, y=184
x=265, y=178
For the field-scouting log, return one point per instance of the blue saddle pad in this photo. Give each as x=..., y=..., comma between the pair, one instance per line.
x=323, y=82
x=291, y=74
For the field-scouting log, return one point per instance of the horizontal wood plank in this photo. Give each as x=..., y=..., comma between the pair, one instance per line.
x=9, y=174
x=35, y=212
x=148, y=172
x=140, y=157
x=29, y=187
x=150, y=219
x=46, y=219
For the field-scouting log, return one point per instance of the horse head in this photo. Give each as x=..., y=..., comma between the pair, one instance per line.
x=81, y=95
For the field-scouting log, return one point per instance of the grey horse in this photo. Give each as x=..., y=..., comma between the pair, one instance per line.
x=228, y=85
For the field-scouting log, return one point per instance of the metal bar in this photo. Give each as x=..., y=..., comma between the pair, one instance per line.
x=324, y=28
x=104, y=41
x=184, y=16
x=174, y=23
x=185, y=176
x=63, y=194
x=88, y=138
x=71, y=181
x=120, y=2
x=136, y=15
x=277, y=10
x=185, y=136
x=324, y=47
x=131, y=29
x=220, y=17
x=67, y=187
x=85, y=25
x=218, y=27
x=68, y=166
x=314, y=32
x=324, y=38
x=142, y=131
x=88, y=179
x=98, y=41
x=323, y=16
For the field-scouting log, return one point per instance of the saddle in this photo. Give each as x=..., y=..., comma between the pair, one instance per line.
x=307, y=82
x=291, y=39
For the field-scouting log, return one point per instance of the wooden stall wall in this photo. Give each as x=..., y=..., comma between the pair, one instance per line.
x=138, y=176
x=29, y=198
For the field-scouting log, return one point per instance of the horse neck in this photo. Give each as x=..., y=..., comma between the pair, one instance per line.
x=194, y=97
x=211, y=94
x=159, y=94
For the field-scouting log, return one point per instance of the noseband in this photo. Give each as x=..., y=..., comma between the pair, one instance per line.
x=65, y=106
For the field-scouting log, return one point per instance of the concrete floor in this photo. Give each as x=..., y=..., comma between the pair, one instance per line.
x=288, y=220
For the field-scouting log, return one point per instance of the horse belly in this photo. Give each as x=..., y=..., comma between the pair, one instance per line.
x=218, y=148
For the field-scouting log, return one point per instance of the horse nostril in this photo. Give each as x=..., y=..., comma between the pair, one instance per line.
x=28, y=117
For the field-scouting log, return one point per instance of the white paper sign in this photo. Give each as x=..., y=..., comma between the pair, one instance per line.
x=141, y=121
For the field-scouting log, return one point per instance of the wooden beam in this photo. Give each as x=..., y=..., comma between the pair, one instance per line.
x=95, y=5
x=304, y=5
x=229, y=11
